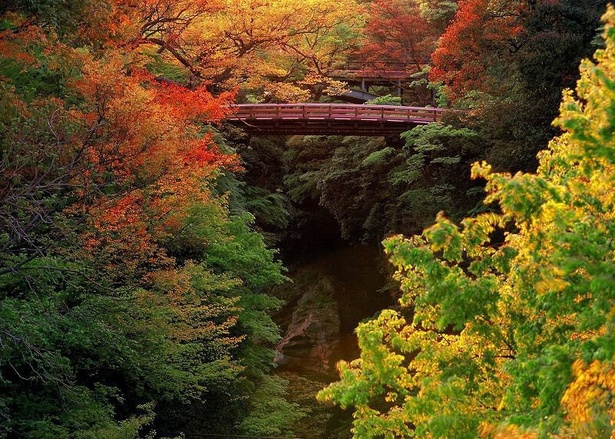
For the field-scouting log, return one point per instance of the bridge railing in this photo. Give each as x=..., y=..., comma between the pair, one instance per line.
x=382, y=65
x=339, y=112
x=377, y=70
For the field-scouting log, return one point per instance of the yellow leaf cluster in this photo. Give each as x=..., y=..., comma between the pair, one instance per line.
x=589, y=397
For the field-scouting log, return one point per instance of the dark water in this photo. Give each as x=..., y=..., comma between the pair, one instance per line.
x=351, y=282
x=359, y=289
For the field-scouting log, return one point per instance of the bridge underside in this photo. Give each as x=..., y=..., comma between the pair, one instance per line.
x=326, y=127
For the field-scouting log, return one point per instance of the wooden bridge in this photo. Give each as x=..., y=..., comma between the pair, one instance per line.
x=331, y=119
x=382, y=72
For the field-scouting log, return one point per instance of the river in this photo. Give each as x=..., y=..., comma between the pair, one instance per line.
x=329, y=295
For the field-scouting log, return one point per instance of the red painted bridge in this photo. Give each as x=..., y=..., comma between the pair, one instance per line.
x=377, y=72
x=331, y=119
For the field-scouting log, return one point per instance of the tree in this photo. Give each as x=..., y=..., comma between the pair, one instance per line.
x=373, y=189
x=481, y=32
x=400, y=37
x=124, y=306
x=396, y=33
x=280, y=50
x=507, y=63
x=438, y=12
x=505, y=325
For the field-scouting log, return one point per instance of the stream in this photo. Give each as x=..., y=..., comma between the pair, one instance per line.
x=329, y=295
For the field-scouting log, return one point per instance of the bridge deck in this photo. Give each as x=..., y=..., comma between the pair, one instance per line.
x=372, y=75
x=342, y=119
x=377, y=72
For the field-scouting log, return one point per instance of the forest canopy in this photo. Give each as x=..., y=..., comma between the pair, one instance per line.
x=505, y=323
x=137, y=229
x=131, y=283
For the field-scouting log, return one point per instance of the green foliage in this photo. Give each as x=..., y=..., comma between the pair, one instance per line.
x=268, y=208
x=131, y=301
x=505, y=324
x=170, y=72
x=260, y=189
x=244, y=255
x=373, y=188
x=271, y=415
x=438, y=12
x=64, y=17
x=378, y=157
x=515, y=75
x=49, y=338
x=385, y=100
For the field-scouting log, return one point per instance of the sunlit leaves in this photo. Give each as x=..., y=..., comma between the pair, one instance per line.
x=481, y=29
x=589, y=399
x=266, y=47
x=109, y=205
x=512, y=314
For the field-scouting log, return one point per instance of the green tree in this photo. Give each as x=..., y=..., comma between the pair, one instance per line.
x=505, y=325
x=507, y=63
x=131, y=291
x=373, y=188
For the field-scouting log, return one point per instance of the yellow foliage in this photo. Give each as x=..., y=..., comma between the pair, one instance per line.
x=251, y=43
x=496, y=327
x=590, y=399
x=489, y=431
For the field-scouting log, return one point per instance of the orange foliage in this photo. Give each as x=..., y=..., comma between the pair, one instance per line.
x=148, y=155
x=194, y=104
x=489, y=431
x=17, y=46
x=397, y=33
x=480, y=30
x=590, y=397
x=145, y=129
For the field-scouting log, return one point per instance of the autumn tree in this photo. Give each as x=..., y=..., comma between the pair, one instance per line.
x=131, y=289
x=507, y=63
x=397, y=33
x=400, y=36
x=481, y=32
x=504, y=326
x=281, y=50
